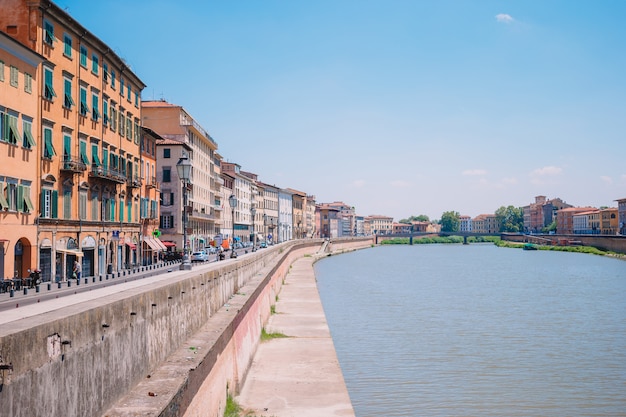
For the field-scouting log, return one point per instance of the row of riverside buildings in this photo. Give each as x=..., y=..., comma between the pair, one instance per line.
x=88, y=169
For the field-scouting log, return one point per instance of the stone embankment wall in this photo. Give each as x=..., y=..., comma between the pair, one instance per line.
x=89, y=358
x=604, y=242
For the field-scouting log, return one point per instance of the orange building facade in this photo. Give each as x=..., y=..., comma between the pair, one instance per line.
x=19, y=157
x=87, y=144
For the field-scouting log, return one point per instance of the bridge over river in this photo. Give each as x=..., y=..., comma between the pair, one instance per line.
x=420, y=235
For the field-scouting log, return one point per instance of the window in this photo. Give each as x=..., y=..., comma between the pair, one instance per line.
x=166, y=153
x=113, y=117
x=105, y=73
x=122, y=86
x=167, y=222
x=14, y=74
x=49, y=202
x=11, y=195
x=29, y=141
x=105, y=111
x=128, y=92
x=28, y=83
x=10, y=133
x=67, y=148
x=167, y=175
x=67, y=203
x=129, y=128
x=95, y=161
x=137, y=135
x=136, y=98
x=122, y=122
x=94, y=206
x=48, y=151
x=121, y=210
x=1, y=71
x=82, y=204
x=48, y=93
x=113, y=79
x=48, y=36
x=95, y=114
x=84, y=109
x=83, y=153
x=94, y=64
x=67, y=48
x=67, y=93
x=83, y=56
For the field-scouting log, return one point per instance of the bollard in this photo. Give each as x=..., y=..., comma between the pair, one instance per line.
x=77, y=282
x=100, y=277
x=12, y=292
x=36, y=288
x=69, y=283
x=49, y=286
x=86, y=280
x=93, y=279
x=59, y=284
x=25, y=291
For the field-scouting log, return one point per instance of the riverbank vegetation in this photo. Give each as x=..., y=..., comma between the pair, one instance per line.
x=440, y=239
x=500, y=243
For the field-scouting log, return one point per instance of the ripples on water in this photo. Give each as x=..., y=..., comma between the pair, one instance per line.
x=476, y=330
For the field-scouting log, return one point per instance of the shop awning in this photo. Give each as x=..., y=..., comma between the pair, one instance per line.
x=160, y=244
x=169, y=244
x=131, y=245
x=150, y=242
x=74, y=252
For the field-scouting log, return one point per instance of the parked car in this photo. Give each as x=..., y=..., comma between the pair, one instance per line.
x=211, y=250
x=263, y=245
x=200, y=256
x=172, y=256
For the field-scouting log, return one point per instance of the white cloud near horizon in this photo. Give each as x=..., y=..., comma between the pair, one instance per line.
x=474, y=172
x=545, y=175
x=358, y=183
x=504, y=18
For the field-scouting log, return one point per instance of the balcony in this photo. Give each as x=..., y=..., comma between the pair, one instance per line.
x=73, y=164
x=134, y=182
x=151, y=182
x=107, y=174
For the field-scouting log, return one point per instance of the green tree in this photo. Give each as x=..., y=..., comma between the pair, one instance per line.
x=450, y=221
x=420, y=218
x=549, y=228
x=511, y=219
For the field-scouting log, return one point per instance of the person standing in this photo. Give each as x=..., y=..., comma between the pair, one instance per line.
x=77, y=270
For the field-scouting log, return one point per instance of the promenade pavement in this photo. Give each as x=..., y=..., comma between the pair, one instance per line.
x=298, y=375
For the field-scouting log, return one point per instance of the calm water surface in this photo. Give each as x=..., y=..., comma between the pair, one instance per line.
x=476, y=330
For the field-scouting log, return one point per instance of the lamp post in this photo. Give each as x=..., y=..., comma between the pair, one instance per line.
x=232, y=200
x=253, y=212
x=184, y=173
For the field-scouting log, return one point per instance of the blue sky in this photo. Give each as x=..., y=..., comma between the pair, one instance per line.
x=396, y=107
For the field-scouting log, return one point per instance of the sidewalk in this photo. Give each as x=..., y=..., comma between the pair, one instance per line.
x=298, y=376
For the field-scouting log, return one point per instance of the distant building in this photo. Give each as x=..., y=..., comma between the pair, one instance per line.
x=401, y=228
x=609, y=221
x=328, y=220
x=465, y=224
x=541, y=213
x=621, y=214
x=485, y=223
x=565, y=219
x=380, y=225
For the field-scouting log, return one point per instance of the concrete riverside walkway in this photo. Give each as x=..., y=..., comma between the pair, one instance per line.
x=298, y=375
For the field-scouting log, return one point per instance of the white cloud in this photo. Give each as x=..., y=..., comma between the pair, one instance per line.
x=504, y=18
x=400, y=184
x=358, y=183
x=546, y=171
x=606, y=179
x=474, y=172
x=545, y=175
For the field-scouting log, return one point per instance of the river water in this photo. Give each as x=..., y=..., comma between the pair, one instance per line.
x=477, y=330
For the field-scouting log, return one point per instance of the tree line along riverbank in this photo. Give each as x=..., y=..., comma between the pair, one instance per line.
x=500, y=243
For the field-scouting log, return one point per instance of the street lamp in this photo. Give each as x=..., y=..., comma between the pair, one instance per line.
x=184, y=173
x=232, y=200
x=253, y=212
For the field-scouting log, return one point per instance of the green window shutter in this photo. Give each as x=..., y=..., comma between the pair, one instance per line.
x=49, y=148
x=49, y=93
x=20, y=198
x=112, y=213
x=94, y=156
x=129, y=212
x=4, y=204
x=67, y=147
x=67, y=40
x=95, y=114
x=29, y=204
x=14, y=133
x=84, y=108
x=54, y=202
x=105, y=159
x=68, y=100
x=83, y=153
x=29, y=141
x=105, y=112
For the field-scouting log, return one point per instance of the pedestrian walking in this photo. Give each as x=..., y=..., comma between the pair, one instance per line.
x=77, y=270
